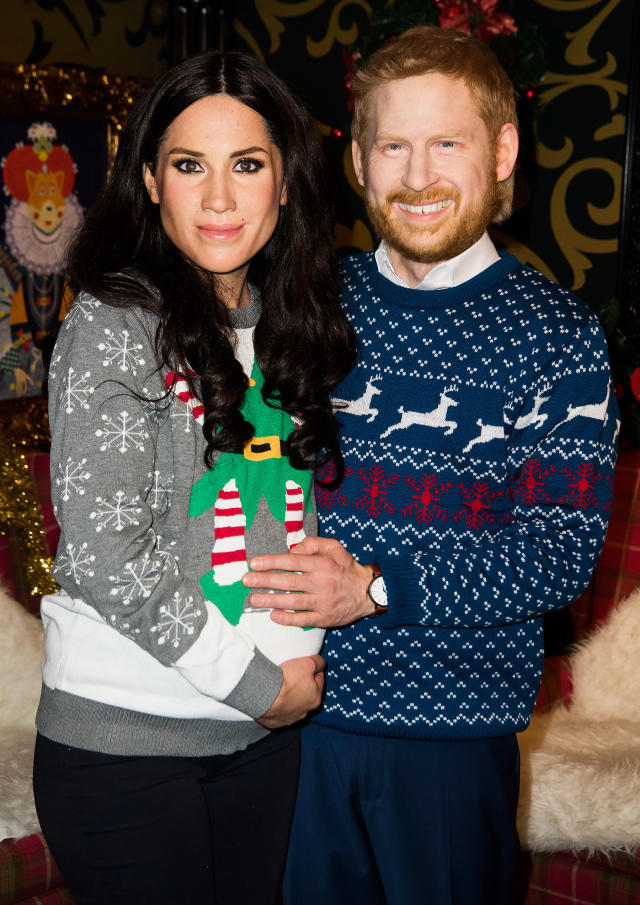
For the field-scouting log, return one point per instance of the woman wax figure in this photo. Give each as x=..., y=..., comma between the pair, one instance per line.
x=189, y=405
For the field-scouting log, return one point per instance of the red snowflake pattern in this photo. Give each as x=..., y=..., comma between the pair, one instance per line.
x=476, y=503
x=327, y=499
x=375, y=492
x=581, y=483
x=427, y=499
x=530, y=486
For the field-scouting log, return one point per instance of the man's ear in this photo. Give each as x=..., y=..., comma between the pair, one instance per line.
x=358, y=162
x=506, y=151
x=150, y=183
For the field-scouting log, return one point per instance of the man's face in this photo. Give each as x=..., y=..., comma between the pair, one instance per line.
x=430, y=170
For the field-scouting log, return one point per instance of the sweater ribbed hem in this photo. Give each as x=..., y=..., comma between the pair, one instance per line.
x=418, y=730
x=72, y=720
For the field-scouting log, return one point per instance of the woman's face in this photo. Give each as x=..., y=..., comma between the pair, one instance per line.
x=219, y=183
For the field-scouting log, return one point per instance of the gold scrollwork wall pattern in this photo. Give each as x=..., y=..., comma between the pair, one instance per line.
x=580, y=139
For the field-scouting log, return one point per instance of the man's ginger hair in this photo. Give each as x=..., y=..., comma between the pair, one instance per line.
x=425, y=49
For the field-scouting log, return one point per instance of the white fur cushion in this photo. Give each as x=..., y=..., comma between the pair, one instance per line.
x=21, y=651
x=580, y=781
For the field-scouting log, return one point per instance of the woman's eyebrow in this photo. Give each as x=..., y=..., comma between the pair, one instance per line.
x=186, y=151
x=246, y=151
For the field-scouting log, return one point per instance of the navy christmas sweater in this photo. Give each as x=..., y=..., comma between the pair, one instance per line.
x=479, y=433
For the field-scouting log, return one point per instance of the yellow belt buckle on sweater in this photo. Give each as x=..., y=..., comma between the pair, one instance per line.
x=259, y=448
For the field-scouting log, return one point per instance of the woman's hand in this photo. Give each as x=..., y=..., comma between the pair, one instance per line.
x=301, y=692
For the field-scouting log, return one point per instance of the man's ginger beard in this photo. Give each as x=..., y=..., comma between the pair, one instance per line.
x=423, y=242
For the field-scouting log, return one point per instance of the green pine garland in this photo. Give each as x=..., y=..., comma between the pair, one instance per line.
x=521, y=54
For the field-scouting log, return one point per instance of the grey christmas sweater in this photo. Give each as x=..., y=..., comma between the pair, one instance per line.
x=151, y=647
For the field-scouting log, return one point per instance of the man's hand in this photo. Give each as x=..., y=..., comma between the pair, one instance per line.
x=330, y=586
x=301, y=692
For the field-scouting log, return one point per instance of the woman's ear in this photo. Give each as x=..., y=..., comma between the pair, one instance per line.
x=150, y=183
x=283, y=193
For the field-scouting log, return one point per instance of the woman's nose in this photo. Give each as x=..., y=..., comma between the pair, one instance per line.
x=218, y=194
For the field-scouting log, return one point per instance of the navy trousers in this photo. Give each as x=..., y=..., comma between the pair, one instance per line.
x=169, y=830
x=383, y=821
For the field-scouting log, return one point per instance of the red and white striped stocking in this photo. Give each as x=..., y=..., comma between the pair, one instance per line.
x=294, y=514
x=229, y=556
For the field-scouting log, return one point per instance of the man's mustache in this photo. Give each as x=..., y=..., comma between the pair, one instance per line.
x=418, y=199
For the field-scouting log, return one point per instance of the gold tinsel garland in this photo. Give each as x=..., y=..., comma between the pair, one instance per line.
x=20, y=511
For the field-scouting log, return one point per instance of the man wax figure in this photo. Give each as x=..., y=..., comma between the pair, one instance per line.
x=478, y=429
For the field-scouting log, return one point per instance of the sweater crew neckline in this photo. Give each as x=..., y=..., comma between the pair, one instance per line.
x=422, y=299
x=249, y=316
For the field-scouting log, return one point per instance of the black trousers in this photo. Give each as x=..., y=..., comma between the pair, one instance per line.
x=169, y=830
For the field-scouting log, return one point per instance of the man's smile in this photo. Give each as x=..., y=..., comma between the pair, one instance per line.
x=425, y=208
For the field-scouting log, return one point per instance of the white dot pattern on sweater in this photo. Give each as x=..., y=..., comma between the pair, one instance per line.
x=479, y=467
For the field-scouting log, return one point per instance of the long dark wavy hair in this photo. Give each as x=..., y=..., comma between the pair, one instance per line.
x=303, y=342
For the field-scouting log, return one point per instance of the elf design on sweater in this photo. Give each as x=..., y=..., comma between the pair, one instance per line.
x=238, y=487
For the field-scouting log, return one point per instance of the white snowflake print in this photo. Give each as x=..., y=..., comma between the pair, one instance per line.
x=182, y=411
x=120, y=350
x=159, y=494
x=176, y=620
x=117, y=514
x=53, y=365
x=155, y=407
x=122, y=432
x=76, y=390
x=71, y=477
x=138, y=579
x=84, y=305
x=165, y=551
x=76, y=562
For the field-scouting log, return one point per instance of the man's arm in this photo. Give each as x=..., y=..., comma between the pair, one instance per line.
x=541, y=559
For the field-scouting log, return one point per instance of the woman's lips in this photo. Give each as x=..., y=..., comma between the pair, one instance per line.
x=220, y=232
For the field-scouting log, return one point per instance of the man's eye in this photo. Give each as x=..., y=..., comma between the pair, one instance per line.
x=394, y=146
x=447, y=144
x=187, y=165
x=247, y=165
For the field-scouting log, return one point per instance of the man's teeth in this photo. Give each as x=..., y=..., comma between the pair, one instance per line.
x=425, y=208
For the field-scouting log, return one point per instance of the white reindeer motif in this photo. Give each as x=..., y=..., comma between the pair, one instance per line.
x=361, y=405
x=598, y=411
x=617, y=430
x=435, y=418
x=534, y=416
x=487, y=433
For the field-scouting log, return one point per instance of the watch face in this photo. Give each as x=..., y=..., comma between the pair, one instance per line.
x=378, y=591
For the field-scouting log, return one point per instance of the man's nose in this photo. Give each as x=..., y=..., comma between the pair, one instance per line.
x=420, y=173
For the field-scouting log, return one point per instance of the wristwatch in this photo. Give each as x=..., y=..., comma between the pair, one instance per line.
x=377, y=590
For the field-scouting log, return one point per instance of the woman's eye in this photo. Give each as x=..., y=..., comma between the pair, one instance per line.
x=247, y=165
x=188, y=165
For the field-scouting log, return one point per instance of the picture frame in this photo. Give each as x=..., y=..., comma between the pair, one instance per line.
x=60, y=128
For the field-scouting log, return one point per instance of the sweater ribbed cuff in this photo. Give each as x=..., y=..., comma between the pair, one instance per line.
x=404, y=595
x=258, y=688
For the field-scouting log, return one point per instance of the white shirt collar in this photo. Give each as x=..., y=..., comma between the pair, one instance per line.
x=450, y=273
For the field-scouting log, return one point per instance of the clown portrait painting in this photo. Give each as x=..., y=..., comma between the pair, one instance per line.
x=42, y=210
